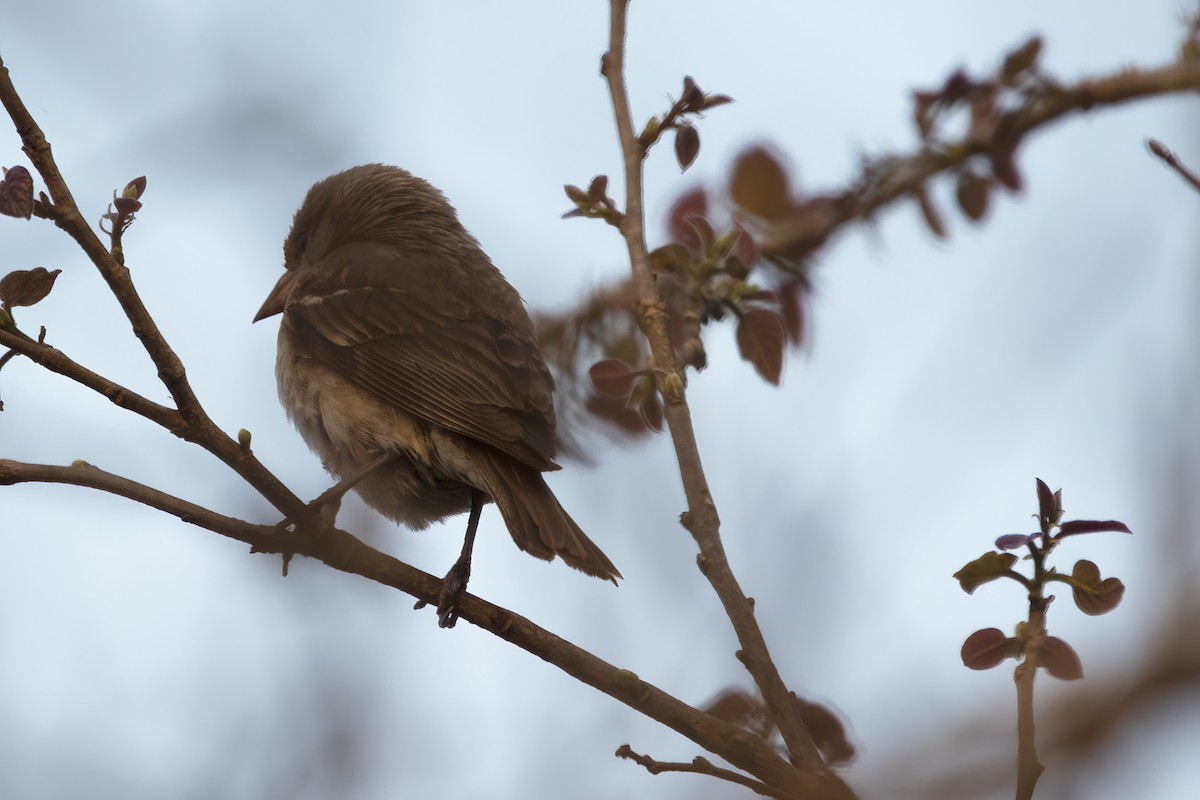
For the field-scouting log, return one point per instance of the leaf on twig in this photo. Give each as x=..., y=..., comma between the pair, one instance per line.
x=687, y=145
x=760, y=341
x=759, y=184
x=1092, y=595
x=25, y=287
x=1077, y=526
x=612, y=377
x=1060, y=659
x=16, y=193
x=988, y=567
x=987, y=647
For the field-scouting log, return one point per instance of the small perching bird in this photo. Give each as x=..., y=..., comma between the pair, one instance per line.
x=410, y=366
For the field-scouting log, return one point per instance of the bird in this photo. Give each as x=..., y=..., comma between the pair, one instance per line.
x=410, y=366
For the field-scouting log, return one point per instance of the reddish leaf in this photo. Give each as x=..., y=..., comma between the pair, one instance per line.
x=616, y=413
x=690, y=205
x=612, y=377
x=1021, y=59
x=759, y=185
x=598, y=189
x=670, y=258
x=973, y=192
x=692, y=97
x=988, y=567
x=827, y=731
x=16, y=193
x=577, y=195
x=1092, y=595
x=791, y=306
x=127, y=205
x=1048, y=511
x=734, y=706
x=714, y=100
x=1003, y=155
x=1060, y=660
x=929, y=212
x=1011, y=541
x=687, y=145
x=135, y=188
x=24, y=287
x=986, y=648
x=652, y=412
x=760, y=341
x=1077, y=526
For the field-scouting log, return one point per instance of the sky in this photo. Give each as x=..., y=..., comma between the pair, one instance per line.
x=140, y=657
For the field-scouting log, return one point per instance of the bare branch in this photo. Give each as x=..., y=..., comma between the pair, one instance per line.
x=701, y=517
x=700, y=766
x=1168, y=156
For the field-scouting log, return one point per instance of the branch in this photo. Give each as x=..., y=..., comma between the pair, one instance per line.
x=1159, y=149
x=342, y=551
x=701, y=518
x=699, y=766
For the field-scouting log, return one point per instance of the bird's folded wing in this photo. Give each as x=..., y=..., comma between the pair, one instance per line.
x=382, y=321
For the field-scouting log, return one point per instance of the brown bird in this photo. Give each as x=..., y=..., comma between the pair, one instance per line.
x=410, y=366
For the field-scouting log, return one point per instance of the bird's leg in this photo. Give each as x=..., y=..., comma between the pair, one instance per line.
x=325, y=508
x=455, y=582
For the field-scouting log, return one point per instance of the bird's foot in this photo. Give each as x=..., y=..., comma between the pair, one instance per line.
x=453, y=586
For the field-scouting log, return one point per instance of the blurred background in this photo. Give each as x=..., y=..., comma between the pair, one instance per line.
x=144, y=658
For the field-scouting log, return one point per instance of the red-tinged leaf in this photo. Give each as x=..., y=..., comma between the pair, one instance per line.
x=1011, y=541
x=691, y=205
x=745, y=248
x=670, y=258
x=692, y=98
x=988, y=567
x=1060, y=660
x=1092, y=595
x=1077, y=526
x=577, y=195
x=598, y=189
x=929, y=212
x=759, y=184
x=735, y=706
x=714, y=100
x=574, y=212
x=652, y=412
x=612, y=377
x=791, y=307
x=127, y=205
x=973, y=193
x=687, y=145
x=135, y=188
x=1047, y=506
x=760, y=341
x=986, y=648
x=25, y=287
x=956, y=87
x=616, y=413
x=1021, y=60
x=16, y=193
x=1004, y=165
x=827, y=731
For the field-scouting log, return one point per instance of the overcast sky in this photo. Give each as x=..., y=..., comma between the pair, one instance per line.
x=140, y=657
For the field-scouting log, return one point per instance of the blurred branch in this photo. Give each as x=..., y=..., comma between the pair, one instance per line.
x=701, y=517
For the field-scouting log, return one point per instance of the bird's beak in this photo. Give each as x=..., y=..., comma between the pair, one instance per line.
x=277, y=300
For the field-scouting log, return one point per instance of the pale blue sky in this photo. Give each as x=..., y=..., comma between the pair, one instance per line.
x=140, y=657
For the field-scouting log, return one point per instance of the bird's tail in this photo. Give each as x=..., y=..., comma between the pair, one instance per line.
x=534, y=517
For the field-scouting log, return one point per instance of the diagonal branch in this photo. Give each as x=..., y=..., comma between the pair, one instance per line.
x=342, y=551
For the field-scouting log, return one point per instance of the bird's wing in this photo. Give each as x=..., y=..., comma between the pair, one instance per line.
x=453, y=352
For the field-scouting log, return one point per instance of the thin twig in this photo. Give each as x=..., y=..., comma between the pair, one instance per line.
x=701, y=766
x=701, y=517
x=1162, y=151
